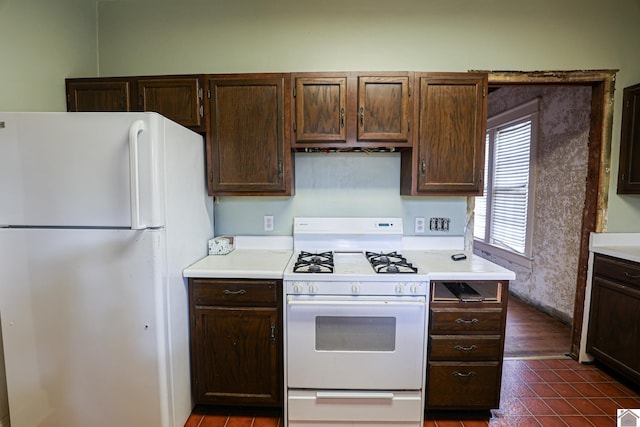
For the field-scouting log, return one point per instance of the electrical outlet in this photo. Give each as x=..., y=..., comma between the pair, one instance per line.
x=268, y=223
x=419, y=226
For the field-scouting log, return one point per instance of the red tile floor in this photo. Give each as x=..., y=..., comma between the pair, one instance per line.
x=542, y=392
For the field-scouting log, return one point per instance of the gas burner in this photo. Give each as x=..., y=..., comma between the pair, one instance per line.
x=390, y=263
x=308, y=262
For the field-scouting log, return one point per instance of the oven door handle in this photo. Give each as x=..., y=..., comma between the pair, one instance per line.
x=354, y=395
x=358, y=302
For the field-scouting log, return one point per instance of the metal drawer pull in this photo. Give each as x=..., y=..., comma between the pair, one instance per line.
x=467, y=321
x=273, y=332
x=631, y=276
x=470, y=348
x=228, y=292
x=463, y=374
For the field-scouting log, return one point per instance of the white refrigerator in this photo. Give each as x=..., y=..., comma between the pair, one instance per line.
x=99, y=215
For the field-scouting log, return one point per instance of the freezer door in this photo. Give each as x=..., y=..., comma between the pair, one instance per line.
x=84, y=327
x=84, y=169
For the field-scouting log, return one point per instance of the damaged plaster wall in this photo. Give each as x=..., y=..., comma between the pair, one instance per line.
x=561, y=171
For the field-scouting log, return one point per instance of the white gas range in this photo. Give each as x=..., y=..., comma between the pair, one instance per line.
x=355, y=323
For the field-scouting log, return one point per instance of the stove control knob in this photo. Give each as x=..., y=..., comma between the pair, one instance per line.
x=355, y=288
x=313, y=288
x=297, y=288
x=415, y=288
x=399, y=288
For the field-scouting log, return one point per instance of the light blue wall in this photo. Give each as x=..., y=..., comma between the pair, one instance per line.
x=339, y=184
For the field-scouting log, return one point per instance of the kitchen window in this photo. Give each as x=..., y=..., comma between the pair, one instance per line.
x=503, y=215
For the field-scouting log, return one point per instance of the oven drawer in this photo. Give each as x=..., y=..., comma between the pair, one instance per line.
x=345, y=408
x=467, y=321
x=458, y=385
x=467, y=347
x=234, y=292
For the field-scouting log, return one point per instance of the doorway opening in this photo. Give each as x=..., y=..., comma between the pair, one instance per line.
x=593, y=218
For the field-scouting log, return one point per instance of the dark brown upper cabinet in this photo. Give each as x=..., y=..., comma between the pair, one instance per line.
x=629, y=173
x=99, y=94
x=321, y=109
x=248, y=148
x=448, y=155
x=342, y=110
x=179, y=98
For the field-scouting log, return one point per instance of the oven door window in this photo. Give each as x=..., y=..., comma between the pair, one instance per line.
x=345, y=333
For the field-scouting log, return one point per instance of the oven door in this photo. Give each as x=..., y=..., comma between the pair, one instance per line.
x=355, y=342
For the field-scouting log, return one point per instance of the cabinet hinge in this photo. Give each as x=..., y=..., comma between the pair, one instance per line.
x=409, y=90
x=209, y=94
x=294, y=91
x=201, y=111
x=295, y=127
x=409, y=125
x=200, y=93
x=484, y=91
x=280, y=170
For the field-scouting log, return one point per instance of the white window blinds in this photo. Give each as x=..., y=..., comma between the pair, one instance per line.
x=511, y=186
x=502, y=214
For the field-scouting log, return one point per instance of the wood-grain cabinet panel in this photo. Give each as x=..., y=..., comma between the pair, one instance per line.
x=448, y=154
x=466, y=347
x=236, y=342
x=614, y=316
x=629, y=173
x=351, y=110
x=248, y=147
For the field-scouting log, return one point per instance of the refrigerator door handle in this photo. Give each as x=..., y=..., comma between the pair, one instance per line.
x=134, y=172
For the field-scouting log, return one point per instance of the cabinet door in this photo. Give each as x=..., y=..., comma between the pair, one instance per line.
x=629, y=173
x=98, y=95
x=614, y=326
x=236, y=356
x=383, y=108
x=248, y=146
x=321, y=109
x=451, y=136
x=177, y=98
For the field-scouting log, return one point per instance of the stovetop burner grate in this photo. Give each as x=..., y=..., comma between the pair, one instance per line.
x=390, y=263
x=309, y=262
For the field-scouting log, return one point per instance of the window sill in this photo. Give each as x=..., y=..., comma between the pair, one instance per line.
x=505, y=254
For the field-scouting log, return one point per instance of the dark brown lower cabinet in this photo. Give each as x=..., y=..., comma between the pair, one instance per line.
x=466, y=345
x=236, y=342
x=614, y=317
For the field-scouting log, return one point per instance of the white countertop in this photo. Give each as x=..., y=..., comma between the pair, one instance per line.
x=619, y=245
x=271, y=263
x=242, y=263
x=439, y=266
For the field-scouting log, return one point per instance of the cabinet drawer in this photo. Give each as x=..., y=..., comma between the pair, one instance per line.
x=466, y=321
x=453, y=385
x=616, y=269
x=234, y=292
x=474, y=347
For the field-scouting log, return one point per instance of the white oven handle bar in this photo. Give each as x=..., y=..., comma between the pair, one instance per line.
x=354, y=395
